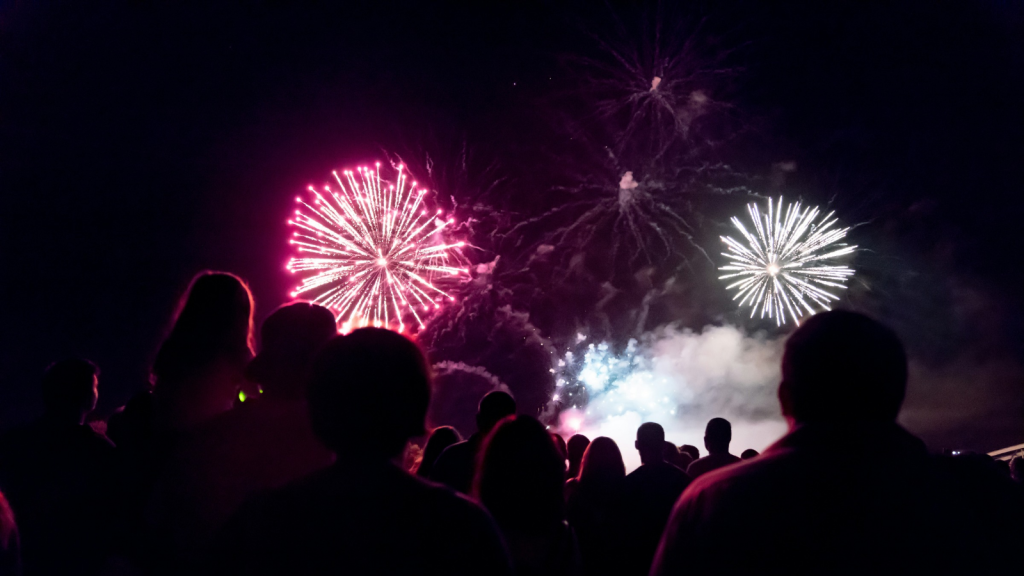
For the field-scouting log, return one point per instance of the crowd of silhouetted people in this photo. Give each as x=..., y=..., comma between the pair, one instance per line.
x=304, y=475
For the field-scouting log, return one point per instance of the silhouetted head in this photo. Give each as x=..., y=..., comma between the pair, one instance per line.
x=441, y=438
x=650, y=442
x=493, y=407
x=602, y=462
x=288, y=340
x=563, y=451
x=213, y=322
x=1017, y=469
x=671, y=454
x=690, y=449
x=70, y=390
x=681, y=460
x=842, y=366
x=521, y=475
x=717, y=436
x=575, y=448
x=748, y=454
x=368, y=393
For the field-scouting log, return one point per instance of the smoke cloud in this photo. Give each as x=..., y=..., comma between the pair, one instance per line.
x=679, y=379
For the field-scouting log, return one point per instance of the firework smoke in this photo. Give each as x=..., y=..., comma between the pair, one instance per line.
x=679, y=379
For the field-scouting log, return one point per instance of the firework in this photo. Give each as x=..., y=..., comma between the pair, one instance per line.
x=371, y=251
x=783, y=266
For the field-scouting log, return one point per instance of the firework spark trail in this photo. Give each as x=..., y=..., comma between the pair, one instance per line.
x=374, y=252
x=782, y=264
x=651, y=86
x=630, y=220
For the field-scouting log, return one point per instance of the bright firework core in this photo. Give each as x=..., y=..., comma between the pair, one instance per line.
x=781, y=269
x=372, y=252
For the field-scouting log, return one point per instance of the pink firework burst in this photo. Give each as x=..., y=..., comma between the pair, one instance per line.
x=372, y=251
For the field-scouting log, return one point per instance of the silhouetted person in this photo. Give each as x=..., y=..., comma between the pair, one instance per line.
x=456, y=466
x=748, y=454
x=676, y=458
x=200, y=366
x=847, y=490
x=563, y=449
x=594, y=507
x=575, y=448
x=10, y=548
x=520, y=482
x=441, y=438
x=58, y=475
x=650, y=491
x=263, y=443
x=692, y=450
x=717, y=437
x=196, y=375
x=368, y=394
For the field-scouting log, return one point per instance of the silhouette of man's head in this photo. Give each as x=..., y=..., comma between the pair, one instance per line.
x=650, y=442
x=289, y=338
x=493, y=407
x=690, y=449
x=214, y=320
x=717, y=436
x=842, y=366
x=368, y=393
x=70, y=390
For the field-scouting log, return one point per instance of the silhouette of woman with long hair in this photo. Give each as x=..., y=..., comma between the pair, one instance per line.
x=440, y=438
x=200, y=365
x=594, y=498
x=519, y=480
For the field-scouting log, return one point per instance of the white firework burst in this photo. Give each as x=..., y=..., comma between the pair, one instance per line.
x=373, y=252
x=782, y=269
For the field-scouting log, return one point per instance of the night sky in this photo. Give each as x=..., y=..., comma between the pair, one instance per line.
x=144, y=142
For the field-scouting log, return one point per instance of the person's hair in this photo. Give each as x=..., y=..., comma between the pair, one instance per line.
x=681, y=460
x=440, y=438
x=602, y=462
x=563, y=450
x=493, y=407
x=690, y=449
x=718, y=434
x=368, y=393
x=651, y=436
x=68, y=386
x=520, y=475
x=669, y=450
x=8, y=528
x=576, y=446
x=213, y=321
x=748, y=454
x=843, y=366
x=1017, y=468
x=289, y=338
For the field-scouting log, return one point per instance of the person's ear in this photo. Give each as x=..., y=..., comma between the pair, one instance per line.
x=636, y=444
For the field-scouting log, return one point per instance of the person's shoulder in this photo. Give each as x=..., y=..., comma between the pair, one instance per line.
x=94, y=439
x=458, y=449
x=743, y=475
